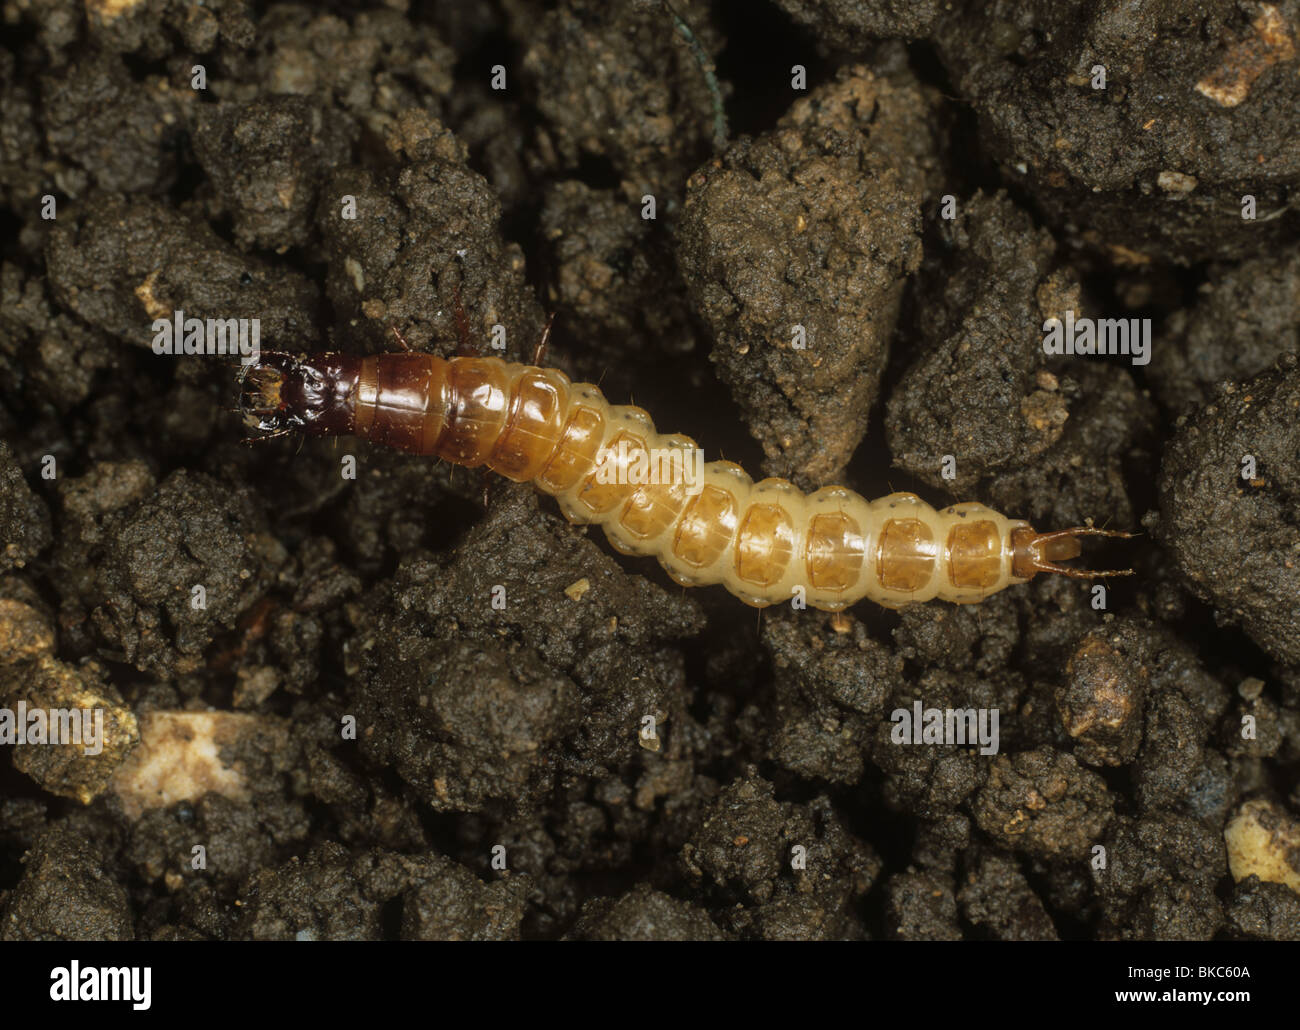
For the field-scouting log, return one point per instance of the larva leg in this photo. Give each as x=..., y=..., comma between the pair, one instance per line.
x=539, y=352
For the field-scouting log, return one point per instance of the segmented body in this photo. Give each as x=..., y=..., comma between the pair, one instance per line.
x=763, y=541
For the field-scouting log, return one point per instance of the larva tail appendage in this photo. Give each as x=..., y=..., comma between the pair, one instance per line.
x=1034, y=552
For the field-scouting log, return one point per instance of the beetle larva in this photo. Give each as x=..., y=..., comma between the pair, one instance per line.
x=762, y=541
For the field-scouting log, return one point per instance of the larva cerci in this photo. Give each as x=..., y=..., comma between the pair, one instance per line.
x=763, y=541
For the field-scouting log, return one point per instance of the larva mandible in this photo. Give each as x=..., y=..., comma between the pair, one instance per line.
x=762, y=541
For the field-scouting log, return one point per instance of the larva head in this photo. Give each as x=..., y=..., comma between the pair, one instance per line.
x=312, y=394
x=1034, y=552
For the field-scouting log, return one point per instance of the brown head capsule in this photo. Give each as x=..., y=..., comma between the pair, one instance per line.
x=310, y=394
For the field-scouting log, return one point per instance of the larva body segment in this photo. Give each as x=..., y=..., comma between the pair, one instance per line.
x=763, y=541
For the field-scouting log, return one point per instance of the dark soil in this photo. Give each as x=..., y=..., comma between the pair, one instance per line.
x=370, y=746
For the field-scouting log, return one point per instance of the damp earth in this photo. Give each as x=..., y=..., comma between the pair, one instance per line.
x=397, y=705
